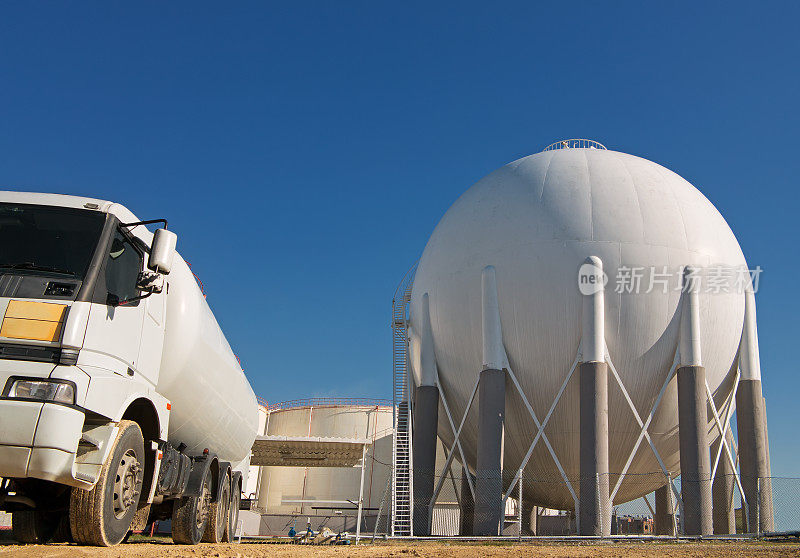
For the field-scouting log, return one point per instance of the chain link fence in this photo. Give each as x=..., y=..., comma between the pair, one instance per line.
x=643, y=504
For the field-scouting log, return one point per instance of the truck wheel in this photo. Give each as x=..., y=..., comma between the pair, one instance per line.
x=190, y=514
x=33, y=527
x=233, y=514
x=218, y=514
x=102, y=516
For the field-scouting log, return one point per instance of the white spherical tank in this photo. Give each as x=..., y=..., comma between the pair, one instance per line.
x=536, y=220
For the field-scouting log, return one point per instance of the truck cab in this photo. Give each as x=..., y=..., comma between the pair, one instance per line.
x=83, y=298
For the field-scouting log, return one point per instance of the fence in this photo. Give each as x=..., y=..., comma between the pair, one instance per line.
x=635, y=510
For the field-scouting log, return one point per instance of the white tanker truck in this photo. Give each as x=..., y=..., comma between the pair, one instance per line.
x=122, y=402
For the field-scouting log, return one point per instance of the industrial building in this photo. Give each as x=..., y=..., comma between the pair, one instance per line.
x=579, y=331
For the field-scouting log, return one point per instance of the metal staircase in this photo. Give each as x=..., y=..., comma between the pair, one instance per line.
x=402, y=480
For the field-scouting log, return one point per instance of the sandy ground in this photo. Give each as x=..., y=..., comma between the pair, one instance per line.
x=165, y=549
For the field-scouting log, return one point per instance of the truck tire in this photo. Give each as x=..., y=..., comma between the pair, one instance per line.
x=102, y=516
x=190, y=514
x=233, y=513
x=33, y=527
x=218, y=513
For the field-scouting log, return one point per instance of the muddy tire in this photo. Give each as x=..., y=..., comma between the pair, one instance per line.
x=233, y=513
x=33, y=527
x=218, y=514
x=190, y=514
x=102, y=516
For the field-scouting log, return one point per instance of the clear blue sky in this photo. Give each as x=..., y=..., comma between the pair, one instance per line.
x=305, y=151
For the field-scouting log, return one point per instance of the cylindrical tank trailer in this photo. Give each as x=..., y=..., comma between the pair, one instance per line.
x=497, y=286
x=213, y=404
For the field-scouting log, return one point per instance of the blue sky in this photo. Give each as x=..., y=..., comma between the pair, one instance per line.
x=305, y=151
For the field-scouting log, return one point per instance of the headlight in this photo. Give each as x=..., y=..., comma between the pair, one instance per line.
x=42, y=390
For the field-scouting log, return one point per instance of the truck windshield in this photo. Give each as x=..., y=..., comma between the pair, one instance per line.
x=50, y=240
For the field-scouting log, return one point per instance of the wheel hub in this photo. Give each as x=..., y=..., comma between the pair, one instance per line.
x=126, y=482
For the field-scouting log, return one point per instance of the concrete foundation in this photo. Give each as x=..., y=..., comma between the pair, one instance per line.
x=595, y=511
x=467, y=505
x=426, y=420
x=695, y=459
x=753, y=456
x=489, y=473
x=722, y=492
x=255, y=524
x=664, y=521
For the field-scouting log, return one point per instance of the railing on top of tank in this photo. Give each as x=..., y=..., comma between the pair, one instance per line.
x=575, y=144
x=326, y=401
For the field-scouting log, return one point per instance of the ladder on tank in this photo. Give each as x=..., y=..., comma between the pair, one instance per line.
x=402, y=480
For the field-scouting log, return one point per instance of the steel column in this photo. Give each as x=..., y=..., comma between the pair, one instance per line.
x=751, y=421
x=665, y=511
x=594, y=513
x=467, y=504
x=722, y=493
x=426, y=420
x=489, y=473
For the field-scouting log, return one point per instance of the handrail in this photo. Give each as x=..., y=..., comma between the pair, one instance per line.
x=325, y=402
x=575, y=144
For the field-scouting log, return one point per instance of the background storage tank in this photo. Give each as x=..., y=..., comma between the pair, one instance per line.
x=536, y=220
x=307, y=491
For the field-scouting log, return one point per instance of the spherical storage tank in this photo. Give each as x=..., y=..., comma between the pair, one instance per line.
x=536, y=220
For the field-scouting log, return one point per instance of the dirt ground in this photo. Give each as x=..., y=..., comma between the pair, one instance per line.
x=159, y=549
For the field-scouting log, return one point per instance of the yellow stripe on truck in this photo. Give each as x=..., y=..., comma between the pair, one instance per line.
x=40, y=321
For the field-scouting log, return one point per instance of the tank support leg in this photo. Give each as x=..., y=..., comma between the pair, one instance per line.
x=489, y=474
x=426, y=423
x=530, y=513
x=467, y=505
x=665, y=511
x=753, y=452
x=722, y=493
x=695, y=458
x=594, y=507
x=426, y=419
x=751, y=421
x=594, y=504
x=692, y=415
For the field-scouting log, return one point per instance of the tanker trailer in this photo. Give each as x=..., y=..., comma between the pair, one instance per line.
x=122, y=401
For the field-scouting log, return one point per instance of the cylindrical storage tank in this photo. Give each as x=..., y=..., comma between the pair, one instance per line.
x=536, y=220
x=320, y=491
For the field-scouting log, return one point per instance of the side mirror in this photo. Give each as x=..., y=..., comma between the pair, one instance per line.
x=163, y=251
